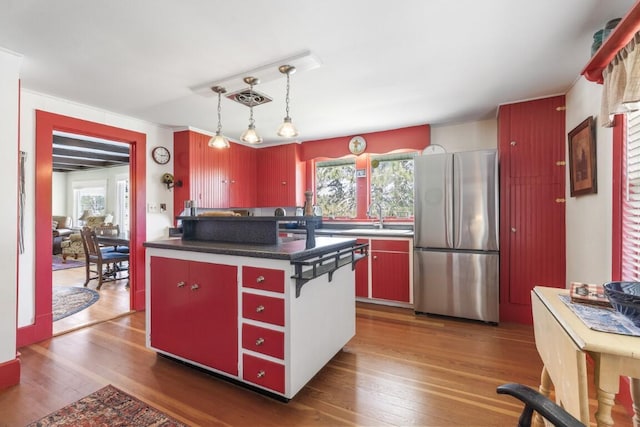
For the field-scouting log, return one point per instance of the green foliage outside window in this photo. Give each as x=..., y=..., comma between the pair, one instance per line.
x=336, y=188
x=392, y=185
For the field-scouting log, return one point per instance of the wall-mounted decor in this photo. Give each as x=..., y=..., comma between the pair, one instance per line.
x=582, y=159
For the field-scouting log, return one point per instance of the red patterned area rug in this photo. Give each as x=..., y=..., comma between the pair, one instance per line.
x=108, y=407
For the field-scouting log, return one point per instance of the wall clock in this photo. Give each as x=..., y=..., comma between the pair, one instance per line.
x=434, y=149
x=357, y=145
x=161, y=155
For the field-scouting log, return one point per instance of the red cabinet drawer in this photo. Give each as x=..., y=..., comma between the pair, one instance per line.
x=265, y=341
x=390, y=245
x=263, y=278
x=263, y=309
x=263, y=372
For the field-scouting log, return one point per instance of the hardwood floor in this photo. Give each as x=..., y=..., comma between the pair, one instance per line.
x=399, y=369
x=113, y=302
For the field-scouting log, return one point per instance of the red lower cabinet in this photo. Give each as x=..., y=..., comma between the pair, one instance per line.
x=390, y=270
x=263, y=308
x=263, y=340
x=362, y=274
x=263, y=372
x=194, y=311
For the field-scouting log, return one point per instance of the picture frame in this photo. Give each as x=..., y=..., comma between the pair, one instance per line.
x=582, y=159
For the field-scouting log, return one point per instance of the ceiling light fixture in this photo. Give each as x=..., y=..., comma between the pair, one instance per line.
x=219, y=140
x=287, y=129
x=250, y=136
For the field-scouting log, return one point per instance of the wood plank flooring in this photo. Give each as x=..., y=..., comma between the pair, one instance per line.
x=399, y=369
x=113, y=302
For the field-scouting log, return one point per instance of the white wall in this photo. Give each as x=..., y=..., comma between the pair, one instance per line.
x=9, y=87
x=157, y=223
x=588, y=217
x=59, y=194
x=466, y=136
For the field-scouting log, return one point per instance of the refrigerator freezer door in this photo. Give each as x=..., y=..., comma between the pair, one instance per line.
x=475, y=200
x=457, y=284
x=433, y=201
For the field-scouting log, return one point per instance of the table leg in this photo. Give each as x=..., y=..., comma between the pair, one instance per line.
x=635, y=396
x=607, y=383
x=545, y=390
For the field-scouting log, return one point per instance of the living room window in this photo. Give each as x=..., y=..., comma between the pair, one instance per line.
x=121, y=216
x=88, y=197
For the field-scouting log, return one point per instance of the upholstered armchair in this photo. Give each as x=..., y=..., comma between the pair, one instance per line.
x=73, y=245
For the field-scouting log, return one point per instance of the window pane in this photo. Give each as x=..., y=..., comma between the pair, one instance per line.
x=336, y=188
x=392, y=185
x=89, y=199
x=631, y=202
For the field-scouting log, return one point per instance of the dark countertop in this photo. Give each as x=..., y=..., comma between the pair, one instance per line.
x=364, y=232
x=288, y=249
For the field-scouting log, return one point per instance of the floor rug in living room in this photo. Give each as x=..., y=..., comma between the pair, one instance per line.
x=57, y=263
x=108, y=406
x=70, y=300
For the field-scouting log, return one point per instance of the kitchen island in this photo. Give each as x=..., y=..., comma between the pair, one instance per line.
x=268, y=316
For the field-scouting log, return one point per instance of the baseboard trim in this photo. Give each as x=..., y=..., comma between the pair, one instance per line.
x=10, y=373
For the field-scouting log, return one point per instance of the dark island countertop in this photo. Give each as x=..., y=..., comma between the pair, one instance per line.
x=288, y=249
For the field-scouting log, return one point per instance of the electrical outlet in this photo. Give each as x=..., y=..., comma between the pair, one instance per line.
x=163, y=207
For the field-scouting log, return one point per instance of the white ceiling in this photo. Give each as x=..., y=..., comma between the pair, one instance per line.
x=384, y=64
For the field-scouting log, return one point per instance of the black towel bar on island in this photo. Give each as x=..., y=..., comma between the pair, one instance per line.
x=327, y=264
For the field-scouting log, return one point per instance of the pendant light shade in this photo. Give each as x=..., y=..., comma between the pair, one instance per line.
x=287, y=129
x=219, y=140
x=250, y=136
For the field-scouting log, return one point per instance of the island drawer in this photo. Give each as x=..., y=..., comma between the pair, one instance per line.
x=263, y=372
x=263, y=308
x=262, y=340
x=263, y=278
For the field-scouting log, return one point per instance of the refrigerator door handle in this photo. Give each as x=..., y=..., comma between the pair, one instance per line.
x=455, y=203
x=448, y=202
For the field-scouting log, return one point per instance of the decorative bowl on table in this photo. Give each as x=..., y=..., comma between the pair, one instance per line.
x=625, y=298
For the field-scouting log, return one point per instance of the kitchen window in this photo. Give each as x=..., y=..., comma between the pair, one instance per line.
x=630, y=242
x=392, y=184
x=336, y=188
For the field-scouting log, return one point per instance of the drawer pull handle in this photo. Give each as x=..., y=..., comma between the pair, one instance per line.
x=195, y=287
x=260, y=279
x=181, y=284
x=261, y=374
x=259, y=308
x=260, y=341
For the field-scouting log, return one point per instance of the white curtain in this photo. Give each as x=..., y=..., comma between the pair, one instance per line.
x=621, y=86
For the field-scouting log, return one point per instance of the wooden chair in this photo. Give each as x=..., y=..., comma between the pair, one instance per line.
x=106, y=262
x=535, y=401
x=111, y=230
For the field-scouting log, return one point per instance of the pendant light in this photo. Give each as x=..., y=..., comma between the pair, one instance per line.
x=219, y=140
x=250, y=136
x=287, y=129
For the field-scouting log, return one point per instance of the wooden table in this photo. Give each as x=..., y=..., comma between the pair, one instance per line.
x=562, y=340
x=121, y=239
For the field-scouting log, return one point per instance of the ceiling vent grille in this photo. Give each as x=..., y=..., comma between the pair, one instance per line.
x=249, y=97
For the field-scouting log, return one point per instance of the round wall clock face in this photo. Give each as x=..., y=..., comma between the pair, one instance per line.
x=434, y=149
x=357, y=145
x=161, y=155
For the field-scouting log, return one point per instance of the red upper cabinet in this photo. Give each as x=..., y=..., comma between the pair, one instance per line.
x=242, y=176
x=281, y=176
x=214, y=178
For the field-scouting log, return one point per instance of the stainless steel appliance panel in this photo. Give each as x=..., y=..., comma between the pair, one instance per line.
x=460, y=284
x=433, y=201
x=475, y=200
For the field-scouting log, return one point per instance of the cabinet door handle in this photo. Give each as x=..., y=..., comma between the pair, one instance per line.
x=181, y=284
x=233, y=181
x=261, y=373
x=195, y=287
x=375, y=257
x=284, y=182
x=260, y=341
x=259, y=308
x=260, y=279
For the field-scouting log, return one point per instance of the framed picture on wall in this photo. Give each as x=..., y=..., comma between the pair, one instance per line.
x=582, y=159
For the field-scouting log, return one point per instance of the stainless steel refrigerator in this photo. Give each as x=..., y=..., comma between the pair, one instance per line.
x=456, y=258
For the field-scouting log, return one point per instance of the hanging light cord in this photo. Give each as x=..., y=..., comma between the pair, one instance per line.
x=287, y=97
x=251, y=121
x=219, y=114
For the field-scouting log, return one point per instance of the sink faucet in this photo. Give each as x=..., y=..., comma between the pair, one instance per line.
x=378, y=206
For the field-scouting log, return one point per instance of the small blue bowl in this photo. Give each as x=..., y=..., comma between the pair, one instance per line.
x=625, y=298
